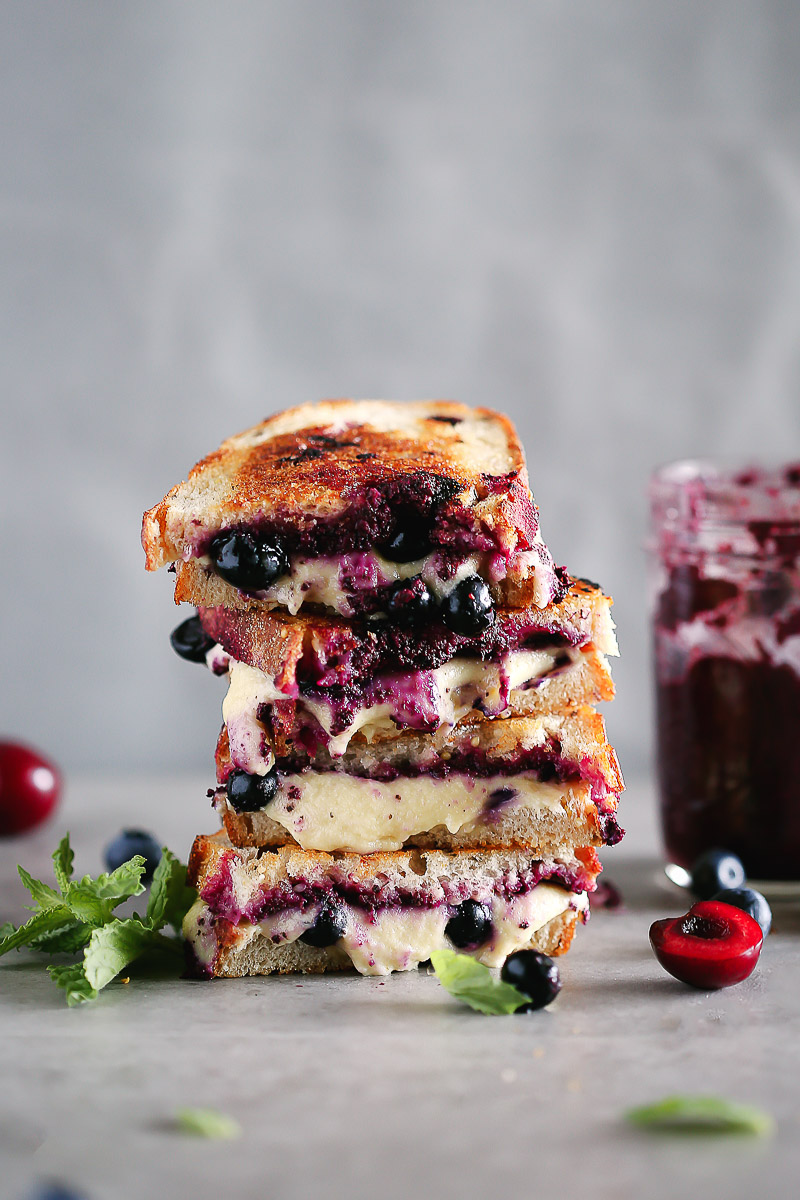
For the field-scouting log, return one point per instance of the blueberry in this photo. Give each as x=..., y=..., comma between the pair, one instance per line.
x=715, y=870
x=468, y=609
x=55, y=1191
x=191, y=641
x=749, y=901
x=410, y=600
x=407, y=545
x=130, y=842
x=249, y=793
x=247, y=560
x=470, y=925
x=328, y=927
x=535, y=975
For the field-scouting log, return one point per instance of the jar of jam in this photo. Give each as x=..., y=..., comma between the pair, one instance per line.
x=726, y=628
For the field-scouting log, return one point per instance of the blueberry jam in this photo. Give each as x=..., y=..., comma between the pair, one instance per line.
x=727, y=656
x=339, y=888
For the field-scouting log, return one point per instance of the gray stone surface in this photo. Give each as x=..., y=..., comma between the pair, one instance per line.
x=352, y=1088
x=586, y=213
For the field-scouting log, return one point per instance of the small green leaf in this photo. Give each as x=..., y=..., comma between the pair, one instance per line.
x=114, y=947
x=62, y=863
x=40, y=923
x=119, y=885
x=84, y=903
x=68, y=940
x=170, y=896
x=6, y=929
x=701, y=1114
x=74, y=982
x=474, y=983
x=207, y=1123
x=44, y=896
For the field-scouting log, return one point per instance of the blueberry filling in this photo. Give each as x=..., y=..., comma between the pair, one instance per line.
x=468, y=609
x=191, y=641
x=470, y=925
x=410, y=600
x=248, y=561
x=328, y=927
x=250, y=793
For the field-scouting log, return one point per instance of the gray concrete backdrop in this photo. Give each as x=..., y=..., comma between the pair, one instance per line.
x=587, y=214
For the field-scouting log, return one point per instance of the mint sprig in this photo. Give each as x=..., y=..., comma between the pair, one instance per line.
x=475, y=984
x=701, y=1114
x=77, y=917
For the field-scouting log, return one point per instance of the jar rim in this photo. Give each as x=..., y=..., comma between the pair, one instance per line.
x=721, y=493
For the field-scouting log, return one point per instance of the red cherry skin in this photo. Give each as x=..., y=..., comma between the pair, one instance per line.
x=30, y=788
x=713, y=946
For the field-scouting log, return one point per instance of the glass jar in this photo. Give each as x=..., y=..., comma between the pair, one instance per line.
x=725, y=550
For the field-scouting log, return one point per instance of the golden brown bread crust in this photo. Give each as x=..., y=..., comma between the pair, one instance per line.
x=315, y=460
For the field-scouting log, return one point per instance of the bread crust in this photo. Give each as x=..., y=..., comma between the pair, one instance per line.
x=416, y=869
x=314, y=461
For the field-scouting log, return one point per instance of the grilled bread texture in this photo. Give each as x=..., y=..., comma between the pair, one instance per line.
x=312, y=462
x=344, y=476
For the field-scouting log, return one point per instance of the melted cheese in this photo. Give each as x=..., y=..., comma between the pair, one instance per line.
x=335, y=811
x=396, y=939
x=450, y=692
x=333, y=582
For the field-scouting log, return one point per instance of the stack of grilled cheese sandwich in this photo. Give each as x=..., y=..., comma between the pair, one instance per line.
x=410, y=757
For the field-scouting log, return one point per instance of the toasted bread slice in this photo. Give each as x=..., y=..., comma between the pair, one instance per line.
x=325, y=651
x=346, y=477
x=327, y=681
x=538, y=783
x=382, y=912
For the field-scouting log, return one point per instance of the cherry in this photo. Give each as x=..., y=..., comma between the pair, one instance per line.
x=713, y=946
x=30, y=787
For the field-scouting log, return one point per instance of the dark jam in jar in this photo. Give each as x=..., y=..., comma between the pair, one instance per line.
x=726, y=625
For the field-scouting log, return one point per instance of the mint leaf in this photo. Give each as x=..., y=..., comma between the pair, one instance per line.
x=207, y=1123
x=114, y=947
x=81, y=920
x=170, y=896
x=62, y=863
x=119, y=885
x=69, y=940
x=74, y=982
x=474, y=983
x=85, y=905
x=43, y=895
x=40, y=923
x=701, y=1114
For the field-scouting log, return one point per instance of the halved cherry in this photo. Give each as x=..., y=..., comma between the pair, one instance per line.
x=713, y=946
